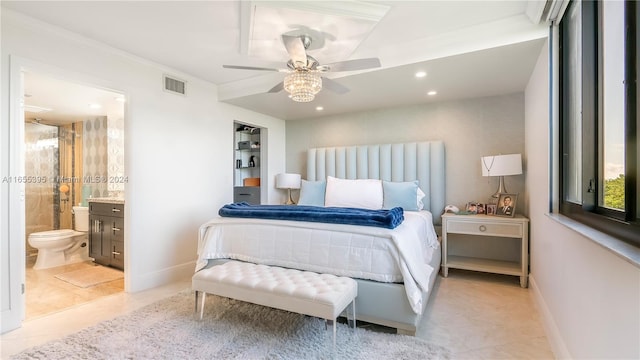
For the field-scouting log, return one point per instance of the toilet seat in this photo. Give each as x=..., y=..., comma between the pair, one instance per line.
x=43, y=235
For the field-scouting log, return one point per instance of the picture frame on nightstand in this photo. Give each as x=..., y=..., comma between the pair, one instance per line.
x=471, y=208
x=491, y=209
x=507, y=205
x=481, y=209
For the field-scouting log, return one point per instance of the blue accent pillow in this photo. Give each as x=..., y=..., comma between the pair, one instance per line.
x=401, y=194
x=312, y=193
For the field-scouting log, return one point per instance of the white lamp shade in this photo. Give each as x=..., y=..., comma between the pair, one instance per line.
x=288, y=181
x=501, y=165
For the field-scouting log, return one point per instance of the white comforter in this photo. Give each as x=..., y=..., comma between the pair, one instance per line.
x=387, y=255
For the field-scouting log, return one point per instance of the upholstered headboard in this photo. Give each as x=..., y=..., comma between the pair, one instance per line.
x=422, y=161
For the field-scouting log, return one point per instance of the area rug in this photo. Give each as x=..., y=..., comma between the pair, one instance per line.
x=169, y=329
x=92, y=276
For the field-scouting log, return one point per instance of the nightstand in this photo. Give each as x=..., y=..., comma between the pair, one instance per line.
x=479, y=226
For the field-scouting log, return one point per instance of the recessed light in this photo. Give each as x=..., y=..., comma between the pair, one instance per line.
x=421, y=74
x=432, y=92
x=319, y=108
x=95, y=106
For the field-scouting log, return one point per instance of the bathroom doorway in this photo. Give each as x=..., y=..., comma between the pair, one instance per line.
x=73, y=145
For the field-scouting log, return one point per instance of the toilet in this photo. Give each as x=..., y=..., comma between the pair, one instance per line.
x=65, y=246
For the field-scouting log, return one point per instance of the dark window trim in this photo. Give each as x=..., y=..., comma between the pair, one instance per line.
x=623, y=225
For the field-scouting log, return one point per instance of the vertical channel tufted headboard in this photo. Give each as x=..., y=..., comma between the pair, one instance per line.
x=422, y=161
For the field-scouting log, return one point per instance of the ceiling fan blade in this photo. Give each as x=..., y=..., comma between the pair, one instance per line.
x=277, y=88
x=248, y=68
x=357, y=64
x=296, y=50
x=334, y=86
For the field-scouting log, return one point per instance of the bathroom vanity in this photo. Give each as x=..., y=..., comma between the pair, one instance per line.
x=106, y=232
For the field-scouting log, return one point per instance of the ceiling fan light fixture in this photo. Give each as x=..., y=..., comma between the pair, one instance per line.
x=303, y=85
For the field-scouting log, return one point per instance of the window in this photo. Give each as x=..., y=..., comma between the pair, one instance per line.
x=599, y=123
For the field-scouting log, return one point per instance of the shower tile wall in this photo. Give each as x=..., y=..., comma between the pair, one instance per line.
x=115, y=140
x=70, y=162
x=95, y=162
x=41, y=162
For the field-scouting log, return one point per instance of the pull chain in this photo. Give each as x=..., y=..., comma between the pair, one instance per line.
x=493, y=158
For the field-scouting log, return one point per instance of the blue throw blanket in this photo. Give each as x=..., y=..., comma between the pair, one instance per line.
x=389, y=219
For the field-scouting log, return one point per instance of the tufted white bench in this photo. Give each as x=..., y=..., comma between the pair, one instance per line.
x=304, y=292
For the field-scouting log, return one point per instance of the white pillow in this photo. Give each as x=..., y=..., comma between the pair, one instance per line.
x=420, y=195
x=361, y=193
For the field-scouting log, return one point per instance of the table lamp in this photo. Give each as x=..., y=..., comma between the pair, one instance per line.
x=501, y=165
x=288, y=181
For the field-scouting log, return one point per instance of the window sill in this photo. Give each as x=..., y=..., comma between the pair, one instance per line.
x=626, y=251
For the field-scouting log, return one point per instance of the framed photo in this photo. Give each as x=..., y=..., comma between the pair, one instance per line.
x=491, y=209
x=472, y=208
x=481, y=208
x=507, y=205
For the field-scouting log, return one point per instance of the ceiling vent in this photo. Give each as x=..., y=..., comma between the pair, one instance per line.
x=176, y=86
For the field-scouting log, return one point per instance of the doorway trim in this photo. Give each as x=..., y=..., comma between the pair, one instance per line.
x=14, y=314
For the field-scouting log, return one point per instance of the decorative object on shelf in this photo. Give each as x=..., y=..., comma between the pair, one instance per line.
x=501, y=165
x=451, y=209
x=288, y=181
x=248, y=129
x=238, y=164
x=251, y=181
x=252, y=161
x=244, y=145
x=507, y=205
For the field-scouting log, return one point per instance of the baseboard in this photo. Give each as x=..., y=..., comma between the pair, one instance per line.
x=551, y=329
x=162, y=277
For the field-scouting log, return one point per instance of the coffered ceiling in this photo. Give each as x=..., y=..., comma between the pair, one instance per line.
x=467, y=48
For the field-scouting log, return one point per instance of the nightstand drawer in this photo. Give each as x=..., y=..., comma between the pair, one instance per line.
x=484, y=228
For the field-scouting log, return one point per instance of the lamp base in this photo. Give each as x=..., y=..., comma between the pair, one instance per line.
x=501, y=188
x=290, y=199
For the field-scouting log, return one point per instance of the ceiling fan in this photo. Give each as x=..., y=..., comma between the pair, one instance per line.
x=304, y=73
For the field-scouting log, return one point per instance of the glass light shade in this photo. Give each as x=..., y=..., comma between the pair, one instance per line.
x=288, y=181
x=303, y=85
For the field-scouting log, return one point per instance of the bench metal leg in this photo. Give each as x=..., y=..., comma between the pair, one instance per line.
x=353, y=308
x=334, y=333
x=195, y=308
x=204, y=296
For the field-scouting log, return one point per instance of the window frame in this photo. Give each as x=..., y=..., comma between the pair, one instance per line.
x=621, y=224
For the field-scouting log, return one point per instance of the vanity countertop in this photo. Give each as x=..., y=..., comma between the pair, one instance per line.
x=107, y=200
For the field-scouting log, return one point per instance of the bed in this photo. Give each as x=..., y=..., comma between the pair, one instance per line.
x=395, y=268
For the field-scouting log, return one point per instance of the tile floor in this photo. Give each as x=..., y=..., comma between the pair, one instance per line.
x=46, y=294
x=478, y=316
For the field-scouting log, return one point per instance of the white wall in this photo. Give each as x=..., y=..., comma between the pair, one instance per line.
x=178, y=150
x=590, y=298
x=469, y=128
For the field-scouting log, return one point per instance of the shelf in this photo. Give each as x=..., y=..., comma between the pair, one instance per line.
x=249, y=150
x=247, y=167
x=256, y=131
x=486, y=265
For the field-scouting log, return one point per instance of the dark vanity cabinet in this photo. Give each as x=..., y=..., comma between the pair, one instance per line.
x=106, y=234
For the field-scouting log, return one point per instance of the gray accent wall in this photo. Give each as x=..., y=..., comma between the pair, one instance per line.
x=469, y=128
